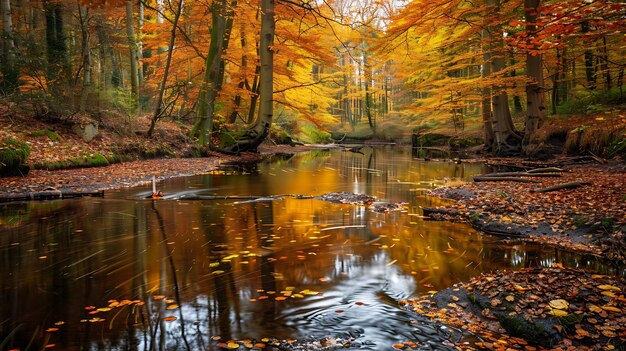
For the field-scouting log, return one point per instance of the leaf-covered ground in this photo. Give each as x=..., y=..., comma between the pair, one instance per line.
x=553, y=308
x=590, y=218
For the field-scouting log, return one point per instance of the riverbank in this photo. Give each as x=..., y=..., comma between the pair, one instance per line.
x=589, y=218
x=555, y=308
x=125, y=174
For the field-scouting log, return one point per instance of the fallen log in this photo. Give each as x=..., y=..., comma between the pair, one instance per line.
x=546, y=170
x=503, y=179
x=569, y=185
x=49, y=195
x=520, y=174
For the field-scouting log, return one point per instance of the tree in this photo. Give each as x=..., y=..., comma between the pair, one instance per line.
x=535, y=96
x=7, y=54
x=134, y=59
x=158, y=110
x=258, y=131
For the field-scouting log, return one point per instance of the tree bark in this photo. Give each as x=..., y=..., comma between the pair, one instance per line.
x=536, y=110
x=56, y=48
x=134, y=62
x=259, y=130
x=203, y=128
x=83, y=13
x=506, y=141
x=10, y=73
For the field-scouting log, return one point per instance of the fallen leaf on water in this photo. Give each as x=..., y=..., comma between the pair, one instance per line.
x=52, y=330
x=398, y=346
x=172, y=307
x=169, y=318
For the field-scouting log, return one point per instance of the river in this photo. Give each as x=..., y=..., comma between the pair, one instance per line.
x=129, y=273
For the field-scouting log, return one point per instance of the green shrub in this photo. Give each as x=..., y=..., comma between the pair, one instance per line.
x=312, y=135
x=13, y=155
x=617, y=148
x=591, y=102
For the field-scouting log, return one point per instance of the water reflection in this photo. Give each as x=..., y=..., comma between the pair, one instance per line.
x=128, y=273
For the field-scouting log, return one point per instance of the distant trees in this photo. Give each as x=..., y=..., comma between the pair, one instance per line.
x=358, y=63
x=477, y=51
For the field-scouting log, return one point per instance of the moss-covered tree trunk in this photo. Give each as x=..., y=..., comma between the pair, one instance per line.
x=214, y=73
x=258, y=131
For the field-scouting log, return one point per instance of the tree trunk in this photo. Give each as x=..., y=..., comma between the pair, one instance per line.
x=56, y=48
x=589, y=67
x=243, y=79
x=506, y=141
x=141, y=67
x=535, y=96
x=211, y=86
x=83, y=13
x=10, y=73
x=367, y=77
x=170, y=50
x=259, y=130
x=486, y=91
x=134, y=62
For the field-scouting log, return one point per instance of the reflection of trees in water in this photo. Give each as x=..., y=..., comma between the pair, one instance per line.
x=174, y=277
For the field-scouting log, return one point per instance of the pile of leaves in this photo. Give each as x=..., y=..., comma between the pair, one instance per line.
x=555, y=308
x=589, y=218
x=369, y=201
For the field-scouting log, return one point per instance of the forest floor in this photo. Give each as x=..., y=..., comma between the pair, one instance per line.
x=554, y=308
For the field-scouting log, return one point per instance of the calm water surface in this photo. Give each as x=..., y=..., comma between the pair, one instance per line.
x=122, y=272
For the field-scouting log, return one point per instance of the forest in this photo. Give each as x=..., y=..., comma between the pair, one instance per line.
x=232, y=73
x=312, y=175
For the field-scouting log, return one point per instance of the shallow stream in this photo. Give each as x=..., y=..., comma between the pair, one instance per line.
x=124, y=272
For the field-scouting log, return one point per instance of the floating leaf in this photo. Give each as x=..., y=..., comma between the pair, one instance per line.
x=169, y=318
x=172, y=307
x=233, y=345
x=52, y=330
x=398, y=346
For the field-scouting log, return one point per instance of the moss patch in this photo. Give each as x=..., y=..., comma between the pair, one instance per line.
x=13, y=155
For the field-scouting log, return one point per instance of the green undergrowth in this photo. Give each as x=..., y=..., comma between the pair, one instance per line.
x=51, y=134
x=13, y=155
x=91, y=160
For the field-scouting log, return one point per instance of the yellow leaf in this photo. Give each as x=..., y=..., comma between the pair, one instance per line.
x=609, y=288
x=506, y=219
x=510, y=298
x=172, y=307
x=558, y=313
x=608, y=293
x=233, y=345
x=599, y=118
x=594, y=308
x=559, y=304
x=611, y=308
